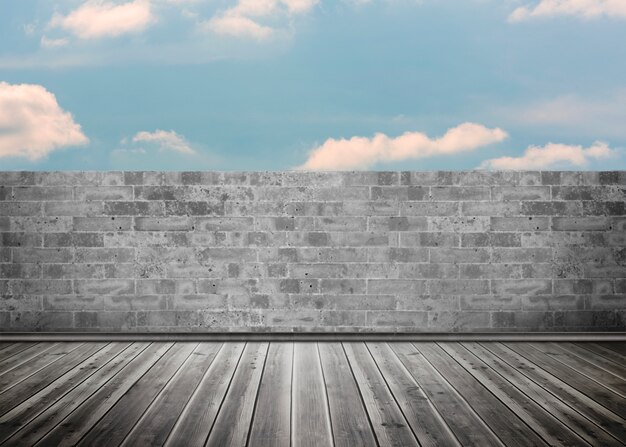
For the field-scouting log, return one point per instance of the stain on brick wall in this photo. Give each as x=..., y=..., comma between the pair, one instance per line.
x=312, y=251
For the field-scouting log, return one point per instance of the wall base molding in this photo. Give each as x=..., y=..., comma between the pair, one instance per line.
x=312, y=336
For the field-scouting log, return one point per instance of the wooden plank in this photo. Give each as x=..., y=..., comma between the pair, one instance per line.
x=271, y=424
x=14, y=377
x=25, y=412
x=420, y=413
x=158, y=420
x=309, y=411
x=585, y=405
x=388, y=422
x=509, y=428
x=52, y=416
x=194, y=424
x=600, y=376
x=60, y=361
x=232, y=424
x=349, y=420
x=550, y=429
x=468, y=428
x=110, y=385
x=596, y=359
x=597, y=392
x=121, y=418
x=607, y=353
x=585, y=428
x=13, y=348
x=24, y=355
x=617, y=346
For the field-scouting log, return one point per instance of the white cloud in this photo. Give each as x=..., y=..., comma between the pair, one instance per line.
x=99, y=18
x=238, y=26
x=581, y=8
x=165, y=140
x=552, y=155
x=32, y=124
x=363, y=152
x=53, y=43
x=242, y=20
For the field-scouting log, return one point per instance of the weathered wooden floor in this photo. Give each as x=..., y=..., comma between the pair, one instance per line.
x=316, y=394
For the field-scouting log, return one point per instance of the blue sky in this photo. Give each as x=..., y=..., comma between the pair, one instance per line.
x=306, y=84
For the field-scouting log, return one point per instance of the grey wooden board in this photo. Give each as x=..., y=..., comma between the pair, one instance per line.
x=232, y=424
x=13, y=348
x=617, y=346
x=25, y=412
x=54, y=414
x=194, y=425
x=557, y=386
x=600, y=376
x=158, y=420
x=271, y=424
x=311, y=394
x=119, y=421
x=310, y=417
x=385, y=415
x=466, y=425
x=41, y=374
x=420, y=413
x=596, y=359
x=24, y=355
x=349, y=419
x=550, y=429
x=108, y=391
x=606, y=353
x=582, y=383
x=585, y=428
x=510, y=429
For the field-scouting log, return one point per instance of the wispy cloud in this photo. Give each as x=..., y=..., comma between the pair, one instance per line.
x=165, y=141
x=32, y=124
x=53, y=43
x=99, y=18
x=552, y=155
x=363, y=152
x=603, y=114
x=244, y=19
x=580, y=8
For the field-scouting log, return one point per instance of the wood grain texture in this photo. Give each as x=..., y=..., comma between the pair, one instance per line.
x=312, y=394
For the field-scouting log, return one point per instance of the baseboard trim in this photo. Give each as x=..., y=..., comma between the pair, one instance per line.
x=312, y=336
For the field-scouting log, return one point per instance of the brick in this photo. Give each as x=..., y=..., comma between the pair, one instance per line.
x=395, y=286
x=521, y=255
x=398, y=254
x=579, y=223
x=551, y=208
x=42, y=255
x=429, y=208
x=399, y=193
x=395, y=223
x=340, y=223
x=428, y=271
x=20, y=271
x=552, y=302
x=179, y=208
x=41, y=286
x=40, y=224
x=458, y=286
x=41, y=320
x=86, y=209
x=493, y=303
x=104, y=255
x=463, y=321
x=105, y=286
x=165, y=287
x=73, y=271
x=593, y=318
x=73, y=240
x=506, y=193
x=102, y=223
x=521, y=286
x=371, y=208
x=429, y=239
x=342, y=286
x=459, y=255
x=17, y=178
x=459, y=224
x=87, y=193
x=163, y=223
x=20, y=208
x=134, y=209
x=38, y=193
x=72, y=303
x=20, y=240
x=491, y=240
x=522, y=320
x=488, y=271
x=428, y=302
x=134, y=302
x=490, y=208
x=519, y=223
x=415, y=319
x=460, y=193
x=588, y=193
x=592, y=208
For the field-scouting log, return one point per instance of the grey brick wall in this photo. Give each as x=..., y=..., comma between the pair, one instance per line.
x=312, y=251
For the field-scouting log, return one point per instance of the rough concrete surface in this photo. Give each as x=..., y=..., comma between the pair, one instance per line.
x=313, y=251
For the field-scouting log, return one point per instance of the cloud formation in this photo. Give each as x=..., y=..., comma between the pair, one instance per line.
x=581, y=8
x=363, y=152
x=242, y=20
x=551, y=155
x=96, y=19
x=165, y=141
x=32, y=124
